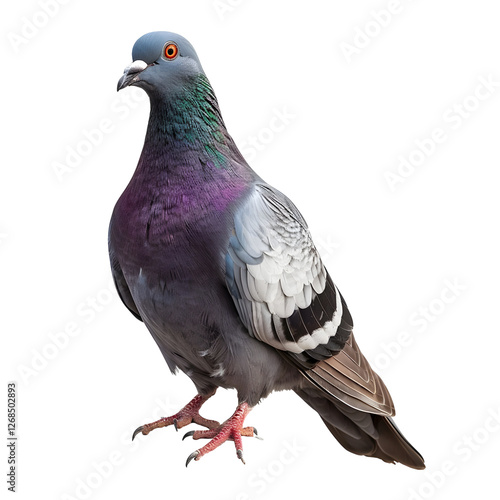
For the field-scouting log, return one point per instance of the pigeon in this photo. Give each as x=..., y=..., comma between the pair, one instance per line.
x=222, y=269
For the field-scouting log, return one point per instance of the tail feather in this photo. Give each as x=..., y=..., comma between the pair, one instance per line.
x=375, y=435
x=393, y=443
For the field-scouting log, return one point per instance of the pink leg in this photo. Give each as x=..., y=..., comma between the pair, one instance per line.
x=231, y=430
x=189, y=414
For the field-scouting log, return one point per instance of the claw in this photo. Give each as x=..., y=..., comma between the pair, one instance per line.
x=257, y=434
x=193, y=455
x=175, y=425
x=190, y=433
x=239, y=454
x=137, y=431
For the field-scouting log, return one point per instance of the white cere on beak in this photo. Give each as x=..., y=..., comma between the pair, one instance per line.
x=136, y=67
x=131, y=73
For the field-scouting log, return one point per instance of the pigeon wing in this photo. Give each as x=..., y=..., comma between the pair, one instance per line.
x=121, y=285
x=286, y=298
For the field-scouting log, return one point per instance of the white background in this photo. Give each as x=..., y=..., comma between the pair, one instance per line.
x=391, y=252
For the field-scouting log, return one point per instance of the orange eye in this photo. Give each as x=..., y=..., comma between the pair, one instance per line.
x=171, y=51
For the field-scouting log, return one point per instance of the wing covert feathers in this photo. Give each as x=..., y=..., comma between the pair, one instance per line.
x=278, y=283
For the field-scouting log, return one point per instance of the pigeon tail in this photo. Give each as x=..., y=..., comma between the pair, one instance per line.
x=363, y=433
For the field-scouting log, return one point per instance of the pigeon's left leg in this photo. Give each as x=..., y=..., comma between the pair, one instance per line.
x=232, y=429
x=189, y=414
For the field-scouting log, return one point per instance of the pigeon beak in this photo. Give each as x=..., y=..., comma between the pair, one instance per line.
x=131, y=74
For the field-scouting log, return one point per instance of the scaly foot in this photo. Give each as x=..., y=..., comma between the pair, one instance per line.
x=231, y=429
x=189, y=414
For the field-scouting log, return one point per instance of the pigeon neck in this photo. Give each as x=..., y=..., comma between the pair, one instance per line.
x=188, y=124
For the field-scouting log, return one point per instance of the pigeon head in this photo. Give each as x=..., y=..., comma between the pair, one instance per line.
x=185, y=121
x=163, y=62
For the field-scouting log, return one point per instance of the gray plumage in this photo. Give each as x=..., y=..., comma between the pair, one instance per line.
x=221, y=267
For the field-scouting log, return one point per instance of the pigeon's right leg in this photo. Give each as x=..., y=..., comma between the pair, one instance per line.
x=189, y=414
